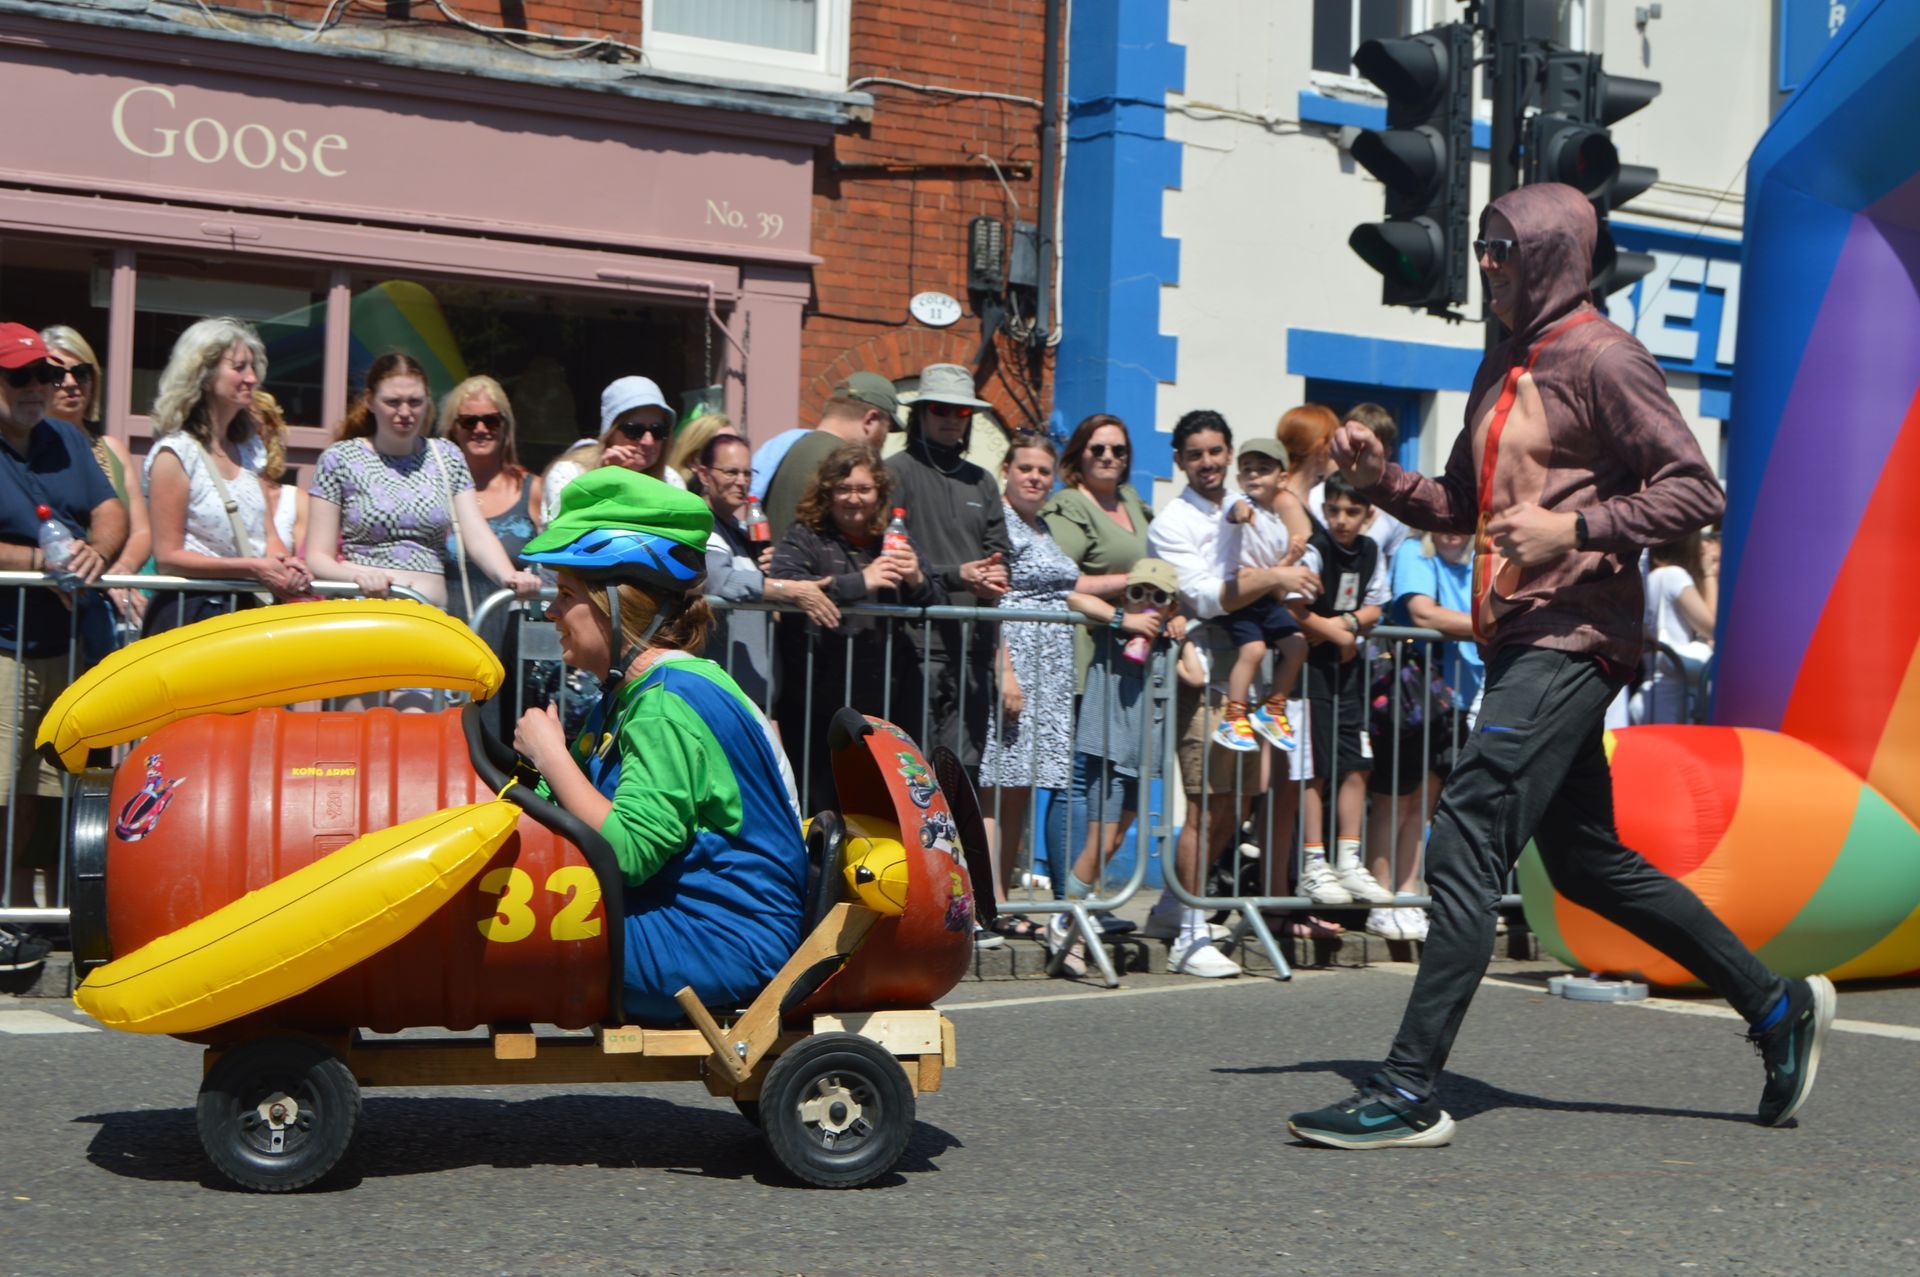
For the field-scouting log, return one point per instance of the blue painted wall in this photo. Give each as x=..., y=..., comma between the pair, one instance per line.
x=1112, y=355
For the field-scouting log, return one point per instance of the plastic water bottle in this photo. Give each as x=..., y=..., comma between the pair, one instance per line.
x=57, y=548
x=759, y=531
x=896, y=537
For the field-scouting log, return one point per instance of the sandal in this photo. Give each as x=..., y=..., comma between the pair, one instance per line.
x=1017, y=926
x=1307, y=927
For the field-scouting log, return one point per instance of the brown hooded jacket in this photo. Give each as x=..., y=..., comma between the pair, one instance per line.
x=1591, y=430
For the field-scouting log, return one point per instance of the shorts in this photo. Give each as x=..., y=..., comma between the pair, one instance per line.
x=1108, y=792
x=1401, y=769
x=1207, y=768
x=1345, y=684
x=21, y=766
x=1265, y=620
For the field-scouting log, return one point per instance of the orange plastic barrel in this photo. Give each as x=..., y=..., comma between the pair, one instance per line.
x=210, y=808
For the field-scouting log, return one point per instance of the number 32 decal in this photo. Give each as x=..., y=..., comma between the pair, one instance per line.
x=514, y=920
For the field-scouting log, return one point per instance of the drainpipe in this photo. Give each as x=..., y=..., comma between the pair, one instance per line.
x=1044, y=221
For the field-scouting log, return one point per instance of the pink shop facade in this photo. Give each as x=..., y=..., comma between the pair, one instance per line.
x=552, y=237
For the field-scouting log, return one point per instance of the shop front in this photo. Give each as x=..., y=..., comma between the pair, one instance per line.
x=552, y=236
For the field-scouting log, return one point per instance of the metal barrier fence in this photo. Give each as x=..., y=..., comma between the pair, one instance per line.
x=882, y=666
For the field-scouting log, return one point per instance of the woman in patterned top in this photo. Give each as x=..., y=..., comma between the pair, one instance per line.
x=386, y=496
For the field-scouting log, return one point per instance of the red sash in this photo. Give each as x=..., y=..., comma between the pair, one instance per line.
x=1484, y=569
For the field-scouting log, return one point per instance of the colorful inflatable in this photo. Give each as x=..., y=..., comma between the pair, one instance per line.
x=1794, y=818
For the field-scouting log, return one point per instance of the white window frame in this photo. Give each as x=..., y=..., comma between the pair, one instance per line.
x=1411, y=13
x=825, y=70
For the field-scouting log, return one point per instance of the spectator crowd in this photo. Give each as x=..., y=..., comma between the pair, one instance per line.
x=1297, y=730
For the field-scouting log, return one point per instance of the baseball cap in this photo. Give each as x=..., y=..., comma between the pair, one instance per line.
x=1270, y=448
x=873, y=390
x=1155, y=572
x=20, y=346
x=627, y=393
x=616, y=498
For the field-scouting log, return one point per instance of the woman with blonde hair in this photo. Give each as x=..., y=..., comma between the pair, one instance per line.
x=477, y=416
x=690, y=443
x=206, y=501
x=76, y=400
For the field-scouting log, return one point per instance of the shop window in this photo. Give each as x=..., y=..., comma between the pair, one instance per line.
x=795, y=42
x=552, y=352
x=44, y=283
x=286, y=304
x=1405, y=405
x=1341, y=26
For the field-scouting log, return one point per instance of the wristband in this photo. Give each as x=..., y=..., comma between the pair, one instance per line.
x=1580, y=530
x=1114, y=622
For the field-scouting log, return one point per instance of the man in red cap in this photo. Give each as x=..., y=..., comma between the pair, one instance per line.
x=43, y=462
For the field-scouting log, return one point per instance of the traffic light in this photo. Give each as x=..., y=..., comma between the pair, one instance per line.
x=1568, y=141
x=1424, y=157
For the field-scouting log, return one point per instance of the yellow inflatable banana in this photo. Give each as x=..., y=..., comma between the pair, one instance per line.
x=266, y=656
x=287, y=937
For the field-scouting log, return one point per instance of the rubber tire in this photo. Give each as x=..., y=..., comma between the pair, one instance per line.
x=876, y=1081
x=236, y=1140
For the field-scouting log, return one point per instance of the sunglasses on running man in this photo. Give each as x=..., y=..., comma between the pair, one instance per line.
x=1496, y=251
x=1149, y=594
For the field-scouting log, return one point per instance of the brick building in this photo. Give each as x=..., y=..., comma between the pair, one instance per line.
x=736, y=197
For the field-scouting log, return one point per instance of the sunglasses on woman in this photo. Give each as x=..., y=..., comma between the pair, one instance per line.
x=637, y=430
x=1149, y=594
x=1118, y=451
x=82, y=374
x=43, y=372
x=491, y=420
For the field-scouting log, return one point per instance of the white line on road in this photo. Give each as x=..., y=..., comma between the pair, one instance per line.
x=1679, y=1006
x=1105, y=995
x=28, y=1022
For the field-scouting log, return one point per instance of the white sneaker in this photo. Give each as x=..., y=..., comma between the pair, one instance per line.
x=1362, y=885
x=1166, y=926
x=1062, y=934
x=1386, y=923
x=1413, y=924
x=1321, y=885
x=1035, y=882
x=1199, y=958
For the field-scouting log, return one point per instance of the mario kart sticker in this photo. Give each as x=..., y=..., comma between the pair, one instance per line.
x=920, y=786
x=890, y=729
x=938, y=833
x=142, y=812
x=959, y=906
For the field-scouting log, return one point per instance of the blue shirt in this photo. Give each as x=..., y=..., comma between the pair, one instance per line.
x=58, y=471
x=1451, y=586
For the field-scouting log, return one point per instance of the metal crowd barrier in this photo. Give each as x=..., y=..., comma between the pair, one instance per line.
x=55, y=911
x=826, y=676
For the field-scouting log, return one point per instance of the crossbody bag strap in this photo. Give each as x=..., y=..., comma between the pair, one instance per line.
x=242, y=539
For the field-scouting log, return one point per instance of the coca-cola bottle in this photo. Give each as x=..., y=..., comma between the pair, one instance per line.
x=896, y=537
x=759, y=531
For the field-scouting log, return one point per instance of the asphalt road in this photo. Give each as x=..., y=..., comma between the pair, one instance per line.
x=1136, y=1131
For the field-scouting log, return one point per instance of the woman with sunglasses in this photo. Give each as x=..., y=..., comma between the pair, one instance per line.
x=635, y=427
x=1100, y=522
x=76, y=401
x=1030, y=732
x=741, y=642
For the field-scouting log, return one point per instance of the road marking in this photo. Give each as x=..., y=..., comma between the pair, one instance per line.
x=1107, y=995
x=30, y=1022
x=1680, y=1006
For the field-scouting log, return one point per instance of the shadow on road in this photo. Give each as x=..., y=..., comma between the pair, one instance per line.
x=424, y=1135
x=1469, y=1097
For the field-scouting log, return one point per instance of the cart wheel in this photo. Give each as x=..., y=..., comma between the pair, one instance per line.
x=749, y=1109
x=277, y=1113
x=837, y=1110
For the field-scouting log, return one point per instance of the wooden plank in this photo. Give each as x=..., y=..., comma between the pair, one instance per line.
x=841, y=931
x=625, y=1039
x=931, y=1068
x=513, y=1041
x=470, y=1062
x=947, y=1055
x=901, y=1032
x=725, y=1058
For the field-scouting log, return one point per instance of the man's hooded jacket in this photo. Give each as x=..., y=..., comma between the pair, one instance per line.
x=1591, y=429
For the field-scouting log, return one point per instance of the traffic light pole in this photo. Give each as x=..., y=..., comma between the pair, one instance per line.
x=1505, y=33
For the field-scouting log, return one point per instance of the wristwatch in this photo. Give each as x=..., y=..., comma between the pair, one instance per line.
x=1580, y=530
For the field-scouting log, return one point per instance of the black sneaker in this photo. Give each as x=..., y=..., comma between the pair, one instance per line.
x=20, y=951
x=1376, y=1116
x=1791, y=1048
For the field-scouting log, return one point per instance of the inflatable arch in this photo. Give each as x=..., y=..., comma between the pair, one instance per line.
x=1794, y=817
